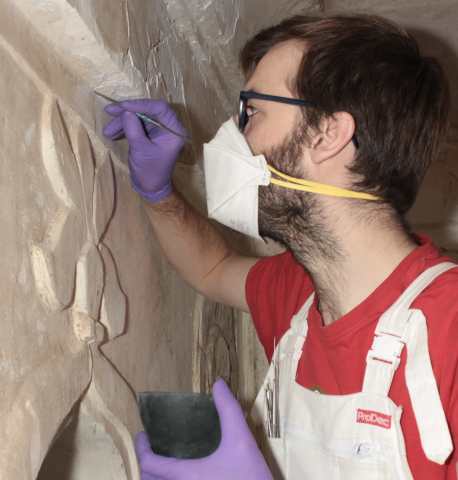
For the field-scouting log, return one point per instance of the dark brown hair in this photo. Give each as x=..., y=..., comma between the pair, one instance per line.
x=371, y=68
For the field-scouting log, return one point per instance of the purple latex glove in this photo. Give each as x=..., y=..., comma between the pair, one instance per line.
x=153, y=151
x=237, y=457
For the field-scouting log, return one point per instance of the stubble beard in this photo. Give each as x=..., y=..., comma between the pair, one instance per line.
x=295, y=219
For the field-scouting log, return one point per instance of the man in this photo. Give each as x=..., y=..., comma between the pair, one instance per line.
x=337, y=173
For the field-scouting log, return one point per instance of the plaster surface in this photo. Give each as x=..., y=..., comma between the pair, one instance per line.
x=87, y=439
x=91, y=311
x=42, y=363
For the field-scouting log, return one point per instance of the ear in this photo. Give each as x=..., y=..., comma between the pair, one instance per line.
x=335, y=135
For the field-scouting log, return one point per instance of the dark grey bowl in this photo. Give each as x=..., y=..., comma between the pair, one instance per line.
x=180, y=425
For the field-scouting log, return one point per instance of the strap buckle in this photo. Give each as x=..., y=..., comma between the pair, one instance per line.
x=294, y=346
x=388, y=348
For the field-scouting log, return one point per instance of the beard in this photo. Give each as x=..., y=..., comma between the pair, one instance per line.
x=293, y=218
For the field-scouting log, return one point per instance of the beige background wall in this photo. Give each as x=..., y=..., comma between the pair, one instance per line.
x=91, y=311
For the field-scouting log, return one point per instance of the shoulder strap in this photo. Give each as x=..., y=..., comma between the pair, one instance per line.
x=399, y=326
x=392, y=333
x=297, y=333
x=290, y=345
x=424, y=395
x=393, y=321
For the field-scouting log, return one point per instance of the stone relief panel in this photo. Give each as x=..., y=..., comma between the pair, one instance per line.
x=81, y=273
x=215, y=350
x=44, y=368
x=54, y=258
x=84, y=437
x=80, y=259
x=108, y=22
x=113, y=307
x=67, y=266
x=69, y=287
x=81, y=177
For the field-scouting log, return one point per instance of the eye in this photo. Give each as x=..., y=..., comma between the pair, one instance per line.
x=251, y=110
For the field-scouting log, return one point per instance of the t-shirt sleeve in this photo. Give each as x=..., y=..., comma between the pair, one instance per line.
x=276, y=288
x=452, y=415
x=441, y=311
x=448, y=389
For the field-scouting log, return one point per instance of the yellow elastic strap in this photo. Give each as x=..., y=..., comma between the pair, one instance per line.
x=307, y=186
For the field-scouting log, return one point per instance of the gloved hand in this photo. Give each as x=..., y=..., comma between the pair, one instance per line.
x=237, y=457
x=153, y=151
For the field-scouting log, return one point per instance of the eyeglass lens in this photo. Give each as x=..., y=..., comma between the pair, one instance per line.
x=243, y=116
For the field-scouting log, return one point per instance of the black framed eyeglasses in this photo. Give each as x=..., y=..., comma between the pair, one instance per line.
x=243, y=103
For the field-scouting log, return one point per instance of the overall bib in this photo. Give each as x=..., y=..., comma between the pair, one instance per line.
x=358, y=436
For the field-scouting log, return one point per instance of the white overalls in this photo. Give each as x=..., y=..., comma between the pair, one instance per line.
x=358, y=436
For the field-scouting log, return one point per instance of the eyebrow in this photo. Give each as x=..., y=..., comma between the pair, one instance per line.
x=253, y=90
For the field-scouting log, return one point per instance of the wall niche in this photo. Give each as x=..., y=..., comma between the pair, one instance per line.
x=84, y=450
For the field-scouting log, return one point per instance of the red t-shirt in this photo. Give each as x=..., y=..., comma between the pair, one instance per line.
x=334, y=356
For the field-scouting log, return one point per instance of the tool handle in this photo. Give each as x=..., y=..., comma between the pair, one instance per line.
x=148, y=119
x=144, y=117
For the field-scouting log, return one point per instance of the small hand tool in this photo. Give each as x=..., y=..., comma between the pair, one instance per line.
x=274, y=426
x=269, y=410
x=272, y=399
x=144, y=117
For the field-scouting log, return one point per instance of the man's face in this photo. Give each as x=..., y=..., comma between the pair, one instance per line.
x=287, y=216
x=271, y=122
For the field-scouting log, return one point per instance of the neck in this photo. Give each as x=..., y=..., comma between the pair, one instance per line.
x=348, y=258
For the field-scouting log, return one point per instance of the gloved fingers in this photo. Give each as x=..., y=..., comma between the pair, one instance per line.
x=145, y=106
x=152, y=108
x=150, y=463
x=146, y=476
x=142, y=445
x=153, y=130
x=133, y=127
x=137, y=129
x=113, y=110
x=157, y=110
x=114, y=129
x=230, y=412
x=225, y=401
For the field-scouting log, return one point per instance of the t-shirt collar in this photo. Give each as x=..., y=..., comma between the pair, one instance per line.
x=382, y=297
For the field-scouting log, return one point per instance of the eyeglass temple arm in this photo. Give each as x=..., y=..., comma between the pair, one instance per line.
x=290, y=101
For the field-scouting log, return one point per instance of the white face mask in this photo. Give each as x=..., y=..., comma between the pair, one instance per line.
x=233, y=176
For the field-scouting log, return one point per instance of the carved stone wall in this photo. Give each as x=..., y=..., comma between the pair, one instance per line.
x=91, y=312
x=215, y=346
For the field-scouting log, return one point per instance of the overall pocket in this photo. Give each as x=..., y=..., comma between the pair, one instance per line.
x=346, y=469
x=307, y=462
x=276, y=453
